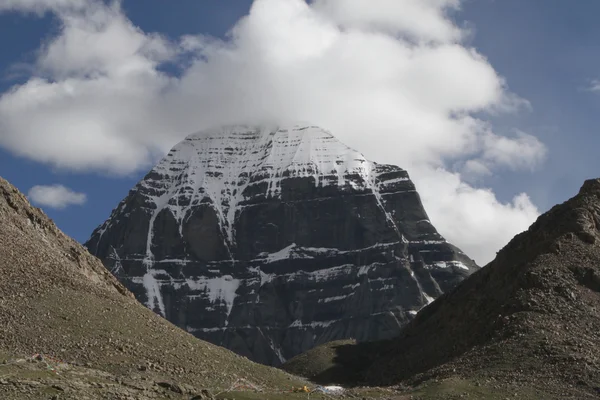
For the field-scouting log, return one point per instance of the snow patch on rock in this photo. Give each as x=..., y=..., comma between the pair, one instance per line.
x=221, y=289
x=220, y=164
x=154, y=296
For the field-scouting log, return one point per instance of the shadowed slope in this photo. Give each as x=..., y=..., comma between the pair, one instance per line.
x=531, y=316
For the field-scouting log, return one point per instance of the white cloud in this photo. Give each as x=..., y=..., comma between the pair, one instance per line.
x=55, y=196
x=476, y=169
x=472, y=218
x=594, y=85
x=523, y=151
x=416, y=19
x=95, y=91
x=390, y=78
x=41, y=6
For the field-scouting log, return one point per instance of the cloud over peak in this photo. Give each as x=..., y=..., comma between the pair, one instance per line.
x=391, y=78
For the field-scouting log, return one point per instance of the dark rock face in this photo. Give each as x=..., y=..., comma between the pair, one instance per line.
x=272, y=241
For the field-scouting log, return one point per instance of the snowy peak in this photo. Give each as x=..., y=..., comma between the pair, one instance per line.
x=271, y=240
x=232, y=155
x=225, y=165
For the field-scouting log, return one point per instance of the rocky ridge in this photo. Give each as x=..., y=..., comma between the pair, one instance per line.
x=270, y=241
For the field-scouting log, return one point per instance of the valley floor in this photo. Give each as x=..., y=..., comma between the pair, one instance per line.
x=39, y=377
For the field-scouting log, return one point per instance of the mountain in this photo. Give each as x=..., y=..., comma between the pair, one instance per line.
x=270, y=241
x=529, y=319
x=70, y=330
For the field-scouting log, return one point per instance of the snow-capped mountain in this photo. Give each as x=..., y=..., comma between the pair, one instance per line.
x=270, y=241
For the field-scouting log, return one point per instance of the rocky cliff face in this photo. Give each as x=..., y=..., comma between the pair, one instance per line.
x=272, y=241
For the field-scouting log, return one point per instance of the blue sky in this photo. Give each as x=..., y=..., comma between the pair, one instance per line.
x=548, y=56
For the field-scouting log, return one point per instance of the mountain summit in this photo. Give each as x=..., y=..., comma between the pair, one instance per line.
x=270, y=241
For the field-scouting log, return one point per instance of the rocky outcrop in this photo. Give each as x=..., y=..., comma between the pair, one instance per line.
x=272, y=241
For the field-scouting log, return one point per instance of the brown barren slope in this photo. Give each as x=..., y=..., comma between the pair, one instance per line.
x=58, y=300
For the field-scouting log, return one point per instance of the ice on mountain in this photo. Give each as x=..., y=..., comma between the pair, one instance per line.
x=220, y=289
x=220, y=164
x=153, y=292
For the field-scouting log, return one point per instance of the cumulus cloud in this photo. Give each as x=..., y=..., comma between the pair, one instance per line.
x=479, y=224
x=594, y=85
x=520, y=152
x=41, y=6
x=390, y=78
x=55, y=196
x=421, y=20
